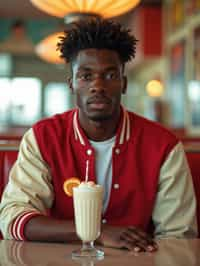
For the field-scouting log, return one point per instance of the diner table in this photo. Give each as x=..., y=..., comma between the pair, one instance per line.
x=171, y=252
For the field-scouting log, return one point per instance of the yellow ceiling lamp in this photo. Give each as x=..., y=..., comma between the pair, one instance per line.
x=46, y=49
x=103, y=8
x=155, y=88
x=73, y=10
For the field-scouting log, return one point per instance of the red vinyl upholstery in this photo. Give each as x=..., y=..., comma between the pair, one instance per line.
x=194, y=163
x=8, y=155
x=7, y=159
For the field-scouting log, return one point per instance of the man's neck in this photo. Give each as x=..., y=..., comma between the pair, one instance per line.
x=100, y=130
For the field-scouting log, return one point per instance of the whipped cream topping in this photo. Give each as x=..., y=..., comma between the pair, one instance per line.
x=90, y=185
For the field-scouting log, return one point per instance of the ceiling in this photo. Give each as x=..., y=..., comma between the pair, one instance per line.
x=24, y=9
x=13, y=11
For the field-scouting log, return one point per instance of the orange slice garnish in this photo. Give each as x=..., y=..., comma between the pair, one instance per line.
x=69, y=184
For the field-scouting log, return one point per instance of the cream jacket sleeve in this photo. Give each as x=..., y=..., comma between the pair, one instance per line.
x=174, y=213
x=29, y=191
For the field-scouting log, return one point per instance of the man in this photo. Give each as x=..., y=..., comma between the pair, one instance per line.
x=141, y=165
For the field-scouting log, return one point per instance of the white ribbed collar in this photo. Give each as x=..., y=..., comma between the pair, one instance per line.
x=124, y=134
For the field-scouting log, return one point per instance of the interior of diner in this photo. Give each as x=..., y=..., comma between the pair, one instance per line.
x=164, y=78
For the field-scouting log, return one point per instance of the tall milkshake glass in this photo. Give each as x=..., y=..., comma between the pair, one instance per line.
x=87, y=198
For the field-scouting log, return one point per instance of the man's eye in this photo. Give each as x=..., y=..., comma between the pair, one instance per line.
x=111, y=75
x=86, y=76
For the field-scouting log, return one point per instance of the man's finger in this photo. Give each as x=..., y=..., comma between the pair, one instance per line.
x=138, y=234
x=128, y=245
x=138, y=240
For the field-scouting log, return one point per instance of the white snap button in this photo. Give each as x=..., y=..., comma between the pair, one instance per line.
x=89, y=152
x=104, y=221
x=117, y=151
x=116, y=186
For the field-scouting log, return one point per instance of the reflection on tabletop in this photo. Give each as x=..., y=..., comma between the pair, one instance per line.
x=87, y=261
x=35, y=253
x=178, y=252
x=172, y=252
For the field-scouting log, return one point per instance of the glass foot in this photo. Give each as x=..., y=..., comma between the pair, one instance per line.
x=87, y=261
x=88, y=250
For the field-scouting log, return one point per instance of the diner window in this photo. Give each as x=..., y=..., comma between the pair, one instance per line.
x=57, y=98
x=194, y=102
x=5, y=65
x=20, y=101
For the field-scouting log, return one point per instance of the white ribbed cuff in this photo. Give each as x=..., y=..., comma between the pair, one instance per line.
x=17, y=228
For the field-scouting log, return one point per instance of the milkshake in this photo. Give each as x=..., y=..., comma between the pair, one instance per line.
x=87, y=198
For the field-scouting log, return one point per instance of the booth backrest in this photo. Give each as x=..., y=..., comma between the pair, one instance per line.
x=193, y=157
x=9, y=151
x=8, y=155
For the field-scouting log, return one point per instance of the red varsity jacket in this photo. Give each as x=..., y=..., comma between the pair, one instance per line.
x=140, y=149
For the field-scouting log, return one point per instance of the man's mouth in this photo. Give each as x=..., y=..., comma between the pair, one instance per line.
x=98, y=105
x=98, y=102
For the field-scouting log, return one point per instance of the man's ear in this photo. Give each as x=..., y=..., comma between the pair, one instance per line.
x=124, y=88
x=69, y=83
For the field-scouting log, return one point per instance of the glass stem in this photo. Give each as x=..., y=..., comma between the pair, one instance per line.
x=88, y=245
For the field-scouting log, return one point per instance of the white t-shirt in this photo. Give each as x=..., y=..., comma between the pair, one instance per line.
x=103, y=152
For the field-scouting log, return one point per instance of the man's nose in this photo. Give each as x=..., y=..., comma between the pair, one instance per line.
x=97, y=85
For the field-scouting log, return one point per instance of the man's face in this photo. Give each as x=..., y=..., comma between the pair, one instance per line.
x=98, y=83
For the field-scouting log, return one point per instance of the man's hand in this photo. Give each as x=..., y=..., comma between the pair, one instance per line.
x=130, y=237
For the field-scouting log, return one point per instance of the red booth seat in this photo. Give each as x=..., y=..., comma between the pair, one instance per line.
x=193, y=156
x=9, y=151
x=8, y=155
